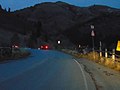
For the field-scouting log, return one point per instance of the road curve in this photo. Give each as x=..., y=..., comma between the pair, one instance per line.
x=47, y=70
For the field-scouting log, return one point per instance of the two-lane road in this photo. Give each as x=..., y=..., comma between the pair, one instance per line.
x=45, y=70
x=50, y=70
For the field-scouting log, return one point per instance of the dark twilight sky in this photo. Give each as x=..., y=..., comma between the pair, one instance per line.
x=19, y=4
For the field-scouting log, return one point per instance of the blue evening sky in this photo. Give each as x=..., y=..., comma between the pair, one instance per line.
x=19, y=4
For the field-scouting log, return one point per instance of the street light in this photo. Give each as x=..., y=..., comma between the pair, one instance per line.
x=59, y=42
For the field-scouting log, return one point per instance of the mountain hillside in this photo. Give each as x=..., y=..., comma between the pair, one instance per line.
x=49, y=22
x=107, y=30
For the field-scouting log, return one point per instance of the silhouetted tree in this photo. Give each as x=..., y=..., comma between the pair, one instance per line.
x=0, y=7
x=9, y=9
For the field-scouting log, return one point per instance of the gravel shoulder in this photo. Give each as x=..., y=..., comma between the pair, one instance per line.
x=103, y=77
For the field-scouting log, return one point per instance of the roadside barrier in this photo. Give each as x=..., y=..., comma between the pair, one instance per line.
x=109, y=54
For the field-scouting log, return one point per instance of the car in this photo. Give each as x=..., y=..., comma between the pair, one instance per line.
x=15, y=46
x=44, y=47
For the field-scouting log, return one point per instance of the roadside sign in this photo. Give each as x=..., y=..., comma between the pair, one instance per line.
x=92, y=33
x=118, y=46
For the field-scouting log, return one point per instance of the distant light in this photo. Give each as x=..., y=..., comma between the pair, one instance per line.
x=59, y=42
x=16, y=47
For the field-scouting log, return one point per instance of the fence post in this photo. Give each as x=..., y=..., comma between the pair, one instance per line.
x=106, y=54
x=100, y=52
x=113, y=54
x=100, y=49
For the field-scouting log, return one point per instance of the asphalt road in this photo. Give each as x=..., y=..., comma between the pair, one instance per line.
x=50, y=70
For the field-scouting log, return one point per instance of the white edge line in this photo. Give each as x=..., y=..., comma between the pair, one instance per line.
x=85, y=81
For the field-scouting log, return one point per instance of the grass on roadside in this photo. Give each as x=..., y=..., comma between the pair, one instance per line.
x=94, y=56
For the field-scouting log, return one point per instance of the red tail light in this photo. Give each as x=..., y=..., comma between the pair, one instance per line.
x=46, y=47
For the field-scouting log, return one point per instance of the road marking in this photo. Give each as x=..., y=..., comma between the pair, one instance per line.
x=85, y=81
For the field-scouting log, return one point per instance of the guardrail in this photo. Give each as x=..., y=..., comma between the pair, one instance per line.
x=106, y=58
x=109, y=54
x=106, y=54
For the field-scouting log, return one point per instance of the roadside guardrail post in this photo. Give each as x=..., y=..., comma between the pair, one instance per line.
x=100, y=48
x=100, y=52
x=113, y=54
x=106, y=54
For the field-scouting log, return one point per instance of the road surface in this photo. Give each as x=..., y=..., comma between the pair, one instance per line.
x=52, y=70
